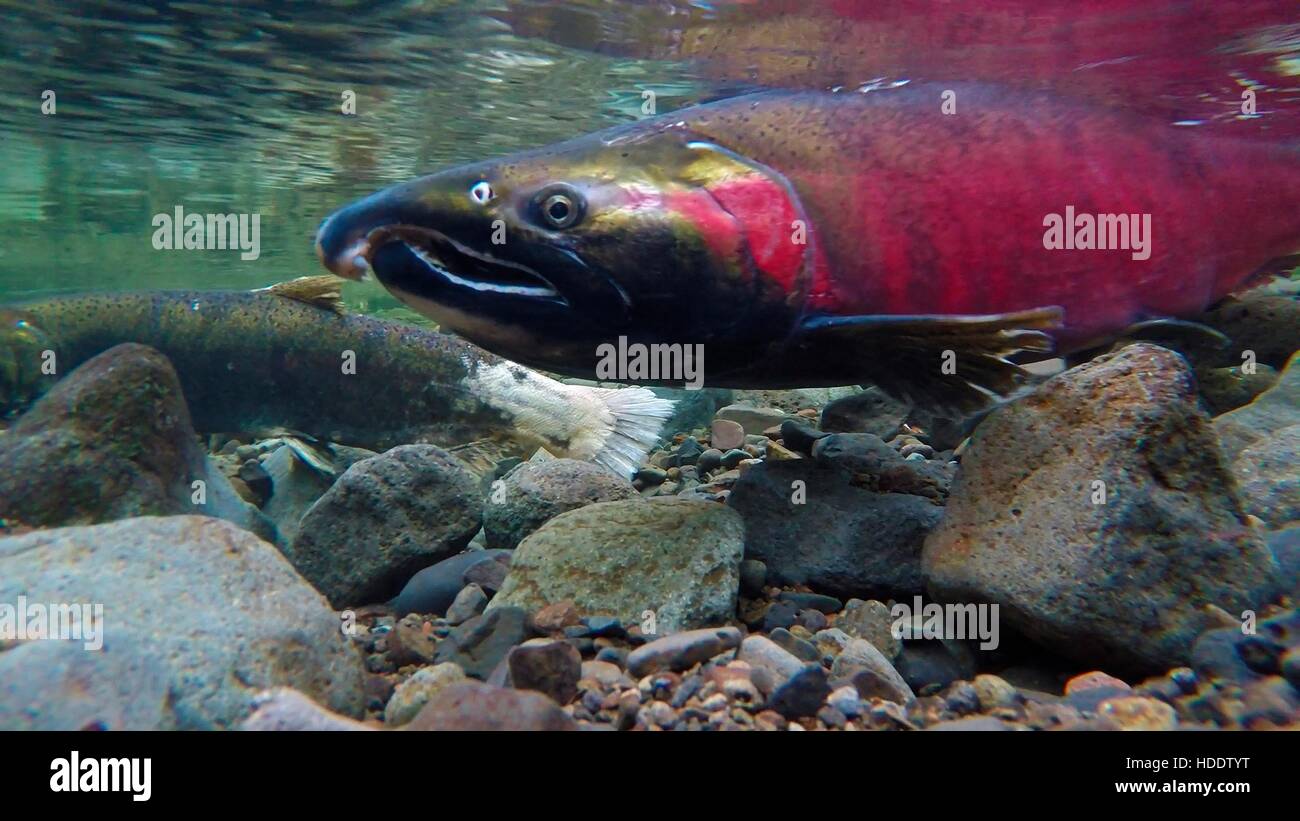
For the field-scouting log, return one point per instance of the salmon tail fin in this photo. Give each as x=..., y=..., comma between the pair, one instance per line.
x=613, y=427
x=318, y=291
x=956, y=364
x=637, y=418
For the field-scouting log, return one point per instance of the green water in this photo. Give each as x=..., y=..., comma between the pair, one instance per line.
x=238, y=110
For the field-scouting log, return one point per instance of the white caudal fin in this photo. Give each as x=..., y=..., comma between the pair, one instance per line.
x=638, y=418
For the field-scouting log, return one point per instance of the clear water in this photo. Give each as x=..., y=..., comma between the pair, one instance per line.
x=220, y=107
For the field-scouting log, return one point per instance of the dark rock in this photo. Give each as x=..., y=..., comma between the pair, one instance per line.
x=812, y=601
x=547, y=666
x=536, y=492
x=753, y=575
x=709, y=461
x=1285, y=545
x=480, y=644
x=472, y=705
x=1267, y=324
x=1122, y=580
x=800, y=437
x=1231, y=655
x=385, y=518
x=487, y=575
x=782, y=614
x=812, y=620
x=113, y=440
x=604, y=626
x=1225, y=389
x=434, y=588
x=828, y=534
x=872, y=411
x=803, y=694
x=923, y=663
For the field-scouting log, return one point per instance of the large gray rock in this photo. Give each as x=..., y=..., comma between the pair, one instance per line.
x=1123, y=583
x=536, y=492
x=112, y=440
x=676, y=557
x=811, y=522
x=385, y=518
x=198, y=616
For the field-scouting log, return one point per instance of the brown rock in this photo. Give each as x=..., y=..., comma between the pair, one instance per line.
x=473, y=705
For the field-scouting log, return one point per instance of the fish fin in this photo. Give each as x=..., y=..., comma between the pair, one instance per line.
x=905, y=355
x=1182, y=335
x=318, y=291
x=637, y=417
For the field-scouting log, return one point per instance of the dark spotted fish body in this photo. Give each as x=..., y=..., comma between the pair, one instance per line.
x=250, y=361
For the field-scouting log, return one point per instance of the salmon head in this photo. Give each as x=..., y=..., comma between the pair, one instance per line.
x=646, y=231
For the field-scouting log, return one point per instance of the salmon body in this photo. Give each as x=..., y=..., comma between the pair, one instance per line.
x=250, y=361
x=817, y=238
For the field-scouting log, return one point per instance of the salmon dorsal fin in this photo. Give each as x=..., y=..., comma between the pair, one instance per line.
x=941, y=363
x=322, y=291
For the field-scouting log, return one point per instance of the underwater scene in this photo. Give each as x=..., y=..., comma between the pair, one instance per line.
x=651, y=365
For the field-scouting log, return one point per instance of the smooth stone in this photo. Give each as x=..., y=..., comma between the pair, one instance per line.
x=760, y=652
x=284, y=709
x=412, y=694
x=726, y=435
x=475, y=706
x=859, y=661
x=751, y=418
x=801, y=648
x=469, y=602
x=681, y=651
x=434, y=588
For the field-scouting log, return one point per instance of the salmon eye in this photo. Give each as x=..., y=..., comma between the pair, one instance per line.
x=559, y=206
x=481, y=192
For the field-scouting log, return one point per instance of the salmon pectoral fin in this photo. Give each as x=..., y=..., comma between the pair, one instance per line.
x=946, y=363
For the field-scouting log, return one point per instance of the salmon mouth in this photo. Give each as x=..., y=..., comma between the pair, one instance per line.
x=453, y=264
